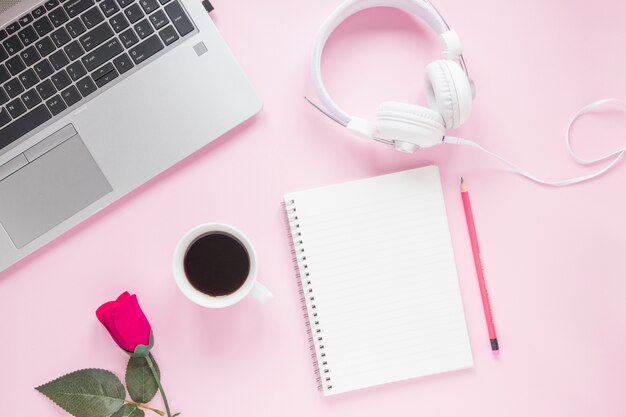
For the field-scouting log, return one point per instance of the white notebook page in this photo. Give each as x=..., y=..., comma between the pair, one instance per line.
x=383, y=280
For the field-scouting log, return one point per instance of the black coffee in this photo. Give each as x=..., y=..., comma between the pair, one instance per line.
x=217, y=264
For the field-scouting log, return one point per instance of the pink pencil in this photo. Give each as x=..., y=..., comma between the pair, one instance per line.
x=479, y=269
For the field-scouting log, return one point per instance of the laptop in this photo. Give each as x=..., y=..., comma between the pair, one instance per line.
x=96, y=98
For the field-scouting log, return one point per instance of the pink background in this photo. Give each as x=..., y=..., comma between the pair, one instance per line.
x=554, y=258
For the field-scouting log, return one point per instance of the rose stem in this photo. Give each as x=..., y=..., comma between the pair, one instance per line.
x=149, y=359
x=138, y=405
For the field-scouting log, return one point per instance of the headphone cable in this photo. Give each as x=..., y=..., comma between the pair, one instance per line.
x=616, y=155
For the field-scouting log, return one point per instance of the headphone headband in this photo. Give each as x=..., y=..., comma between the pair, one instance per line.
x=449, y=93
x=421, y=8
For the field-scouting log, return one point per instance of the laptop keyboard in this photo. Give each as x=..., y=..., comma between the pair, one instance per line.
x=64, y=51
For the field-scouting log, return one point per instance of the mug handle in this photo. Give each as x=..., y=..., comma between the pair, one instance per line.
x=261, y=293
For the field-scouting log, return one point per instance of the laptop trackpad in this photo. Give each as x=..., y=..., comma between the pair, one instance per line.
x=49, y=190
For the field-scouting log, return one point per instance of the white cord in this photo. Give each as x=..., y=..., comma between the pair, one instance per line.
x=617, y=154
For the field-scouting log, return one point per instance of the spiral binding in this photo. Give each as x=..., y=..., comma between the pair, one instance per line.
x=305, y=289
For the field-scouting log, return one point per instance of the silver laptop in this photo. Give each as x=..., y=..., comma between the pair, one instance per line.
x=96, y=98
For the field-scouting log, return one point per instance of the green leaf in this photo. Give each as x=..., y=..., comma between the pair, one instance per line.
x=129, y=411
x=86, y=393
x=140, y=381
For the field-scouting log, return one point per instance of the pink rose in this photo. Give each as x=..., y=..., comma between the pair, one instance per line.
x=125, y=321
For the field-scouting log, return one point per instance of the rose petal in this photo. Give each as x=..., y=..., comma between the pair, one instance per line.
x=106, y=315
x=123, y=296
x=132, y=324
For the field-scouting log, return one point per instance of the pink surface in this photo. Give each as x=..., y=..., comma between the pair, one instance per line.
x=554, y=258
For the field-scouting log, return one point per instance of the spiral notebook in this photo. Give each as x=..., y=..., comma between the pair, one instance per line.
x=378, y=280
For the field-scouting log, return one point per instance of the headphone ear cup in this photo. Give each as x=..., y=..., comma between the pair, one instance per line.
x=410, y=123
x=449, y=92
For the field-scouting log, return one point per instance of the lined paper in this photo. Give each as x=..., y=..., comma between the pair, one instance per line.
x=383, y=277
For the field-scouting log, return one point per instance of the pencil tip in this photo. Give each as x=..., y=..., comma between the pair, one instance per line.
x=463, y=186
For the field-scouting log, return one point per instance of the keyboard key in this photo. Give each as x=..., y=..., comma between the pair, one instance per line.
x=45, y=47
x=123, y=63
x=169, y=35
x=15, y=65
x=4, y=117
x=46, y=89
x=128, y=38
x=61, y=80
x=28, y=35
x=144, y=29
x=74, y=50
x=96, y=36
x=159, y=19
x=71, y=96
x=13, y=45
x=31, y=98
x=118, y=22
x=109, y=7
x=149, y=6
x=16, y=108
x=39, y=11
x=179, y=18
x=58, y=16
x=3, y=34
x=3, y=54
x=124, y=3
x=56, y=105
x=26, y=19
x=102, y=71
x=60, y=37
x=30, y=56
x=28, y=78
x=101, y=82
x=4, y=74
x=13, y=27
x=134, y=13
x=92, y=17
x=33, y=119
x=44, y=69
x=51, y=4
x=43, y=26
x=102, y=54
x=76, y=70
x=3, y=97
x=13, y=88
x=86, y=86
x=76, y=27
x=59, y=59
x=146, y=49
x=76, y=7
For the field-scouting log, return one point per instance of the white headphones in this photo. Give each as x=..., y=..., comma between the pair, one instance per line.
x=449, y=90
x=449, y=93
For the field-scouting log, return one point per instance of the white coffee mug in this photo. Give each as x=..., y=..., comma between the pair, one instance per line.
x=250, y=286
